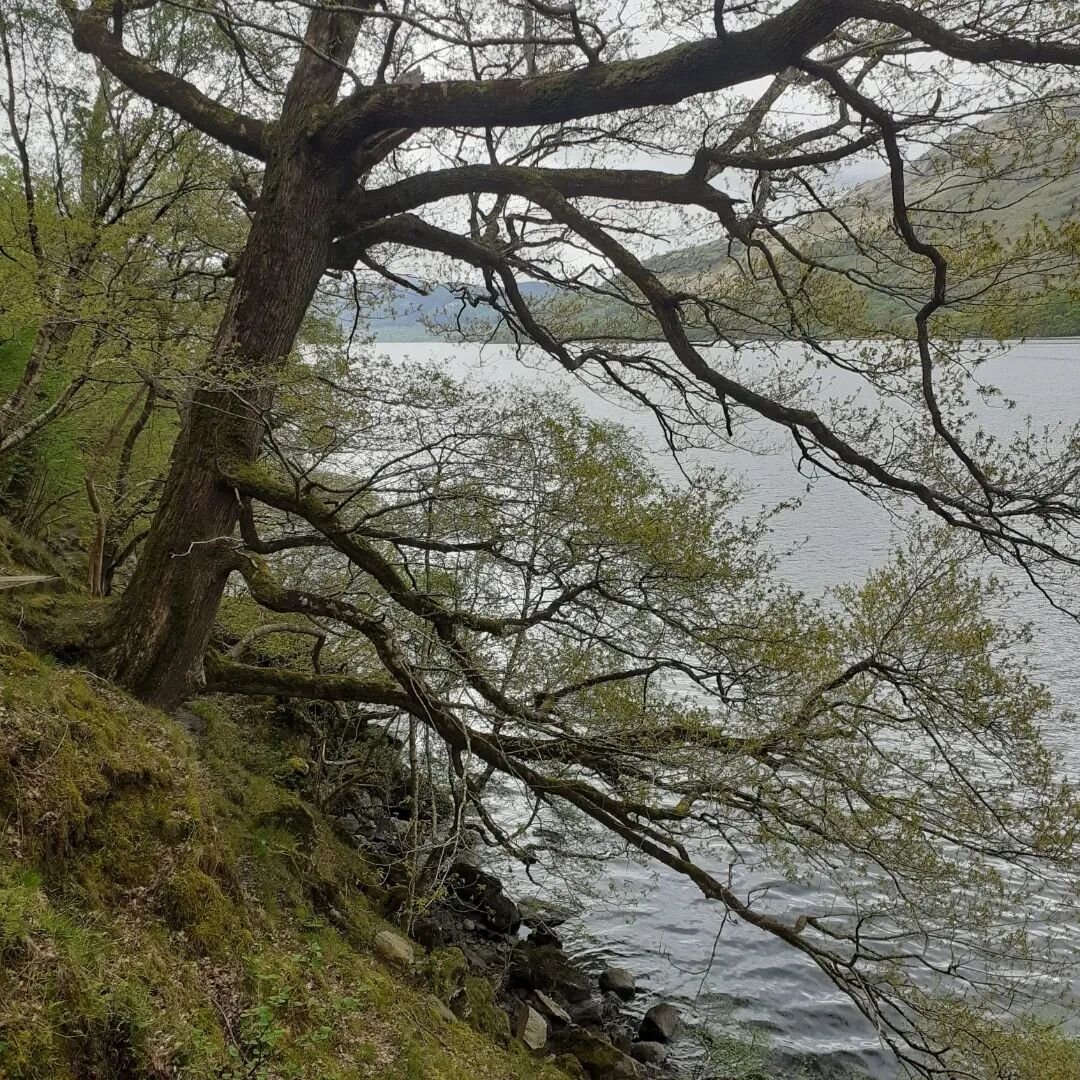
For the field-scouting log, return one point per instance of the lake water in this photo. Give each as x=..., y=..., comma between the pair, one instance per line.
x=668, y=937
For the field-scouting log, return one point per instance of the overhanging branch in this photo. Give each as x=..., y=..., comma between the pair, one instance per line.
x=665, y=78
x=229, y=677
x=229, y=127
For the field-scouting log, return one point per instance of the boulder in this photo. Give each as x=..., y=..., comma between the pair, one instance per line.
x=611, y=1007
x=543, y=934
x=534, y=912
x=550, y=1008
x=546, y=968
x=530, y=1027
x=483, y=892
x=390, y=832
x=617, y=980
x=442, y=1011
x=598, y=1057
x=393, y=949
x=484, y=959
x=355, y=826
x=649, y=1053
x=570, y=1065
x=460, y=1005
x=432, y=933
x=588, y=1014
x=659, y=1024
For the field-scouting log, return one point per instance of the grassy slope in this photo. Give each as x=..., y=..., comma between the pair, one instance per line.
x=165, y=907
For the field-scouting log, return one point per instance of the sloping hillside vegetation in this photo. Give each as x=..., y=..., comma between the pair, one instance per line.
x=991, y=196
x=994, y=195
x=170, y=906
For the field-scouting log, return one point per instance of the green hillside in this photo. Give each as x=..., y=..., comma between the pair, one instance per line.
x=1001, y=199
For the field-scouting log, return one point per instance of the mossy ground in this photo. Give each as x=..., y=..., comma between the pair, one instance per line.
x=170, y=907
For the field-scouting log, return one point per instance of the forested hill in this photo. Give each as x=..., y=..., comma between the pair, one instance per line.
x=1005, y=173
x=1010, y=181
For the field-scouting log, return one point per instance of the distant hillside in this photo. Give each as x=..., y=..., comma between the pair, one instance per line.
x=998, y=173
x=410, y=316
x=1003, y=191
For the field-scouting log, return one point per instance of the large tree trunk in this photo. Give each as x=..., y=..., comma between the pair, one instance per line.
x=162, y=624
x=163, y=621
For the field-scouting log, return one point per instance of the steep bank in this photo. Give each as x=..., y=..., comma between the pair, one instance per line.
x=170, y=907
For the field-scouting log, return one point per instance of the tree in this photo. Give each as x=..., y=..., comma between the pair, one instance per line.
x=113, y=233
x=275, y=95
x=610, y=655
x=607, y=645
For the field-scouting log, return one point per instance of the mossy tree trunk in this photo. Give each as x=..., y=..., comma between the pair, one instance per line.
x=162, y=624
x=165, y=615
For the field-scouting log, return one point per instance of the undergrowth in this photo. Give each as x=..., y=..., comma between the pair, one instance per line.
x=169, y=907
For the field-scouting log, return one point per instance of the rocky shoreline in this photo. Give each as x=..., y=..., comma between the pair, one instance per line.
x=552, y=1005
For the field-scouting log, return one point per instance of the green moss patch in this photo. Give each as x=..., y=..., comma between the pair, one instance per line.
x=170, y=907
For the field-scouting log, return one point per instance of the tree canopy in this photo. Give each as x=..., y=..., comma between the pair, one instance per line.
x=510, y=577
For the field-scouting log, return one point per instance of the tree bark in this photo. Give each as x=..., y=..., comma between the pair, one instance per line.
x=162, y=624
x=163, y=621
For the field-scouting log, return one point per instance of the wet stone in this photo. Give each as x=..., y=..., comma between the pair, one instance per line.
x=617, y=980
x=659, y=1024
x=530, y=1027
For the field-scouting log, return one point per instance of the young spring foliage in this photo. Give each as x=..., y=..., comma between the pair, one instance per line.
x=609, y=648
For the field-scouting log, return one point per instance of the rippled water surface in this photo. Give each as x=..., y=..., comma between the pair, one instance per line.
x=669, y=937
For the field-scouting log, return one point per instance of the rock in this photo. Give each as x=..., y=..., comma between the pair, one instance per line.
x=659, y=1024
x=191, y=721
x=390, y=832
x=546, y=968
x=535, y=913
x=588, y=1014
x=482, y=958
x=431, y=933
x=649, y=1053
x=611, y=1008
x=459, y=1004
x=442, y=1011
x=617, y=980
x=530, y=1027
x=484, y=892
x=393, y=949
x=355, y=826
x=621, y=1040
x=502, y=913
x=598, y=1057
x=543, y=934
x=570, y=1065
x=550, y=1008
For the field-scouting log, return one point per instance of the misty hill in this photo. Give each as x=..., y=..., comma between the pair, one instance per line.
x=999, y=173
x=1011, y=181
x=409, y=316
x=993, y=194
